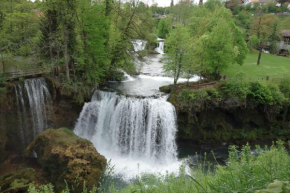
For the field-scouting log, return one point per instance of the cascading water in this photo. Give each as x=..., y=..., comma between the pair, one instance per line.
x=33, y=108
x=21, y=110
x=160, y=47
x=139, y=45
x=137, y=134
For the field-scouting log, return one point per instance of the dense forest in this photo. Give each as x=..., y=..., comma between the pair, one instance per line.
x=88, y=41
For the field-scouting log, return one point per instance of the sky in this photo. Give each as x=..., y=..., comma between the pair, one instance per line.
x=161, y=3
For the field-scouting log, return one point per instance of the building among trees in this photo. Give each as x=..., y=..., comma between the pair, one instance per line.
x=284, y=44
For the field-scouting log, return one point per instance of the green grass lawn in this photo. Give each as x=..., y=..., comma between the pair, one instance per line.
x=271, y=65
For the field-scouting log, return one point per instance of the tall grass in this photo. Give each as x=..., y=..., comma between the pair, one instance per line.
x=245, y=171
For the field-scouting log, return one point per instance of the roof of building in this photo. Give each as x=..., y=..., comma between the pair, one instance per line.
x=285, y=32
x=260, y=1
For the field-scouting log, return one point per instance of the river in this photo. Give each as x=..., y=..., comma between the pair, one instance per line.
x=137, y=129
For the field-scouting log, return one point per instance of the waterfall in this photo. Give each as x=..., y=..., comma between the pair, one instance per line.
x=139, y=45
x=137, y=130
x=33, y=108
x=21, y=110
x=160, y=47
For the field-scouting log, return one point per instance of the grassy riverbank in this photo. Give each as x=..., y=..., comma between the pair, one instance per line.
x=271, y=65
x=246, y=171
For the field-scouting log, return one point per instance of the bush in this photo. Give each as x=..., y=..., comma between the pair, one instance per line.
x=261, y=93
x=277, y=95
x=284, y=86
x=193, y=95
x=236, y=89
x=214, y=93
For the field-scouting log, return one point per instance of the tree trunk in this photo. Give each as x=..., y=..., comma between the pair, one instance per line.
x=260, y=54
x=3, y=63
x=215, y=73
x=65, y=52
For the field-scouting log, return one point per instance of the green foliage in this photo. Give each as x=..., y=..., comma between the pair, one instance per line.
x=217, y=41
x=48, y=188
x=194, y=95
x=276, y=187
x=244, y=172
x=284, y=86
x=214, y=93
x=260, y=92
x=238, y=89
x=164, y=27
x=176, y=47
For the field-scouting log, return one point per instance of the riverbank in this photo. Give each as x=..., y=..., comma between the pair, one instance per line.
x=232, y=111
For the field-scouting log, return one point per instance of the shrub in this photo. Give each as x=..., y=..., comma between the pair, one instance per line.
x=261, y=93
x=277, y=95
x=236, y=89
x=193, y=95
x=284, y=86
x=214, y=93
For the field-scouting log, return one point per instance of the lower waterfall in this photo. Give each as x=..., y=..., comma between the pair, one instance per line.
x=137, y=134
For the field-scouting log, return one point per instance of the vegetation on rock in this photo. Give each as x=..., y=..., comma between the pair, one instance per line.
x=236, y=111
x=66, y=157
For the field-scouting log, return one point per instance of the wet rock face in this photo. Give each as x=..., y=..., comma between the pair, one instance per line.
x=66, y=157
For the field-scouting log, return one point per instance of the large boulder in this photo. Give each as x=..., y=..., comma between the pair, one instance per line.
x=67, y=158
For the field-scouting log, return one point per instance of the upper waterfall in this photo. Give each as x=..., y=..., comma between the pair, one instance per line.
x=139, y=45
x=160, y=47
x=138, y=130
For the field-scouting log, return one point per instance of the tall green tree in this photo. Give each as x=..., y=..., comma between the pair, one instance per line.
x=164, y=27
x=132, y=21
x=219, y=42
x=263, y=27
x=177, y=47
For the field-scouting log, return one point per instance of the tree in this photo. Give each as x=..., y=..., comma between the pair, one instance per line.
x=177, y=47
x=75, y=35
x=133, y=21
x=218, y=41
x=19, y=31
x=164, y=27
x=283, y=1
x=182, y=11
x=263, y=27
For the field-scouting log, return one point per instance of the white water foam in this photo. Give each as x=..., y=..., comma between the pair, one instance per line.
x=139, y=44
x=138, y=135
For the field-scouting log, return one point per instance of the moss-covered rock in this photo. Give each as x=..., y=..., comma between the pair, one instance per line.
x=66, y=157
